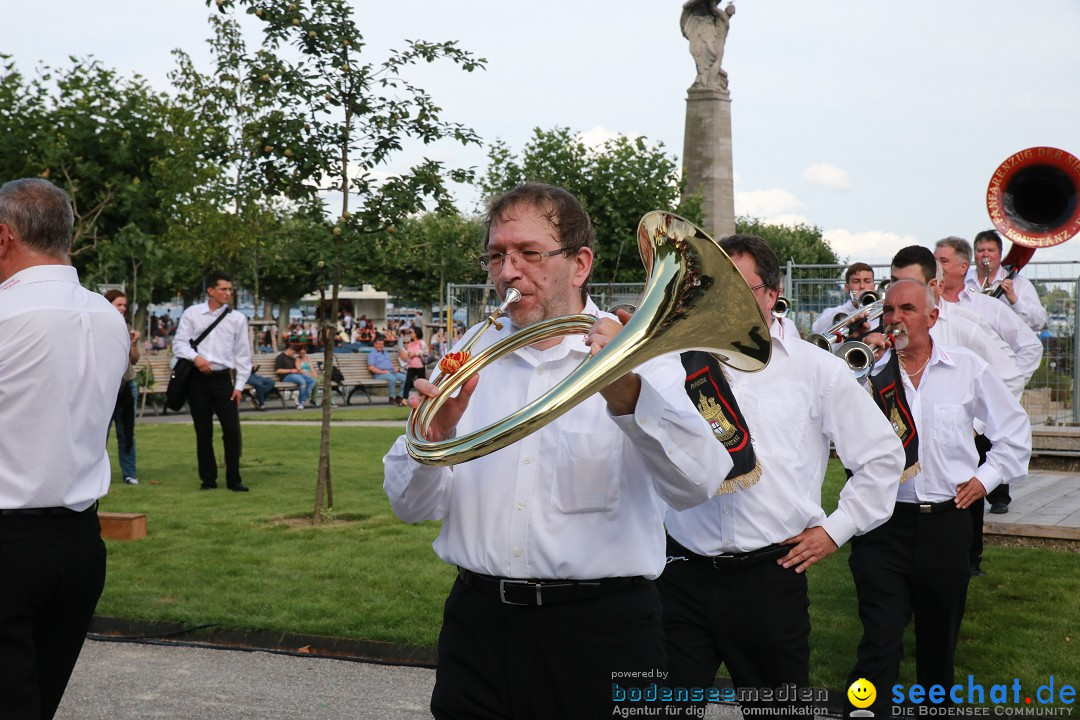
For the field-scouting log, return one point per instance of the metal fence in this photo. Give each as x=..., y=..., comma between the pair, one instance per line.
x=1048, y=396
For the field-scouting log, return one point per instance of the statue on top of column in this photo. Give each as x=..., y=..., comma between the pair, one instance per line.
x=705, y=25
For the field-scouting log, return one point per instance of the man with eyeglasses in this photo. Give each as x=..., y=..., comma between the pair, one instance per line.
x=222, y=366
x=63, y=354
x=558, y=537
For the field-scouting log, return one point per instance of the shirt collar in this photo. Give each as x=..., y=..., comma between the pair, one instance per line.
x=42, y=273
x=783, y=337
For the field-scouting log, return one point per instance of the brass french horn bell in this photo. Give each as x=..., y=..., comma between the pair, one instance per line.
x=694, y=299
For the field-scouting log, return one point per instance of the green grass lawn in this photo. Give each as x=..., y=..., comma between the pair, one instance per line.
x=246, y=561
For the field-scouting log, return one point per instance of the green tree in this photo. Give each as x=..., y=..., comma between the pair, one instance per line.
x=800, y=244
x=617, y=183
x=337, y=121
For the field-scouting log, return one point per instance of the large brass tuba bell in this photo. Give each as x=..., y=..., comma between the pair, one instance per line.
x=1033, y=197
x=694, y=299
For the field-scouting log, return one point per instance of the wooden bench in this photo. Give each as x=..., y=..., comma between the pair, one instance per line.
x=160, y=367
x=265, y=363
x=358, y=376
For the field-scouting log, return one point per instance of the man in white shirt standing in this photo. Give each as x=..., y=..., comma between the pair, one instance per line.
x=63, y=354
x=917, y=562
x=734, y=590
x=1017, y=292
x=858, y=278
x=222, y=366
x=558, y=537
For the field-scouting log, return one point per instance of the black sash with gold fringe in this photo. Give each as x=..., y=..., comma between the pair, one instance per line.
x=708, y=388
x=887, y=389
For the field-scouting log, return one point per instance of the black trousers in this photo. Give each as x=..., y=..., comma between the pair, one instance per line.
x=52, y=570
x=209, y=394
x=553, y=661
x=755, y=620
x=914, y=564
x=411, y=374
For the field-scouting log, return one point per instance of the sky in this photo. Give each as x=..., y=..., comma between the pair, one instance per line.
x=879, y=122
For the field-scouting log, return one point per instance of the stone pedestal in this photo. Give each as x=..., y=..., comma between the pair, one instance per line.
x=707, y=164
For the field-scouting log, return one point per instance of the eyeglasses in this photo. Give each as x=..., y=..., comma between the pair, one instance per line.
x=494, y=261
x=757, y=287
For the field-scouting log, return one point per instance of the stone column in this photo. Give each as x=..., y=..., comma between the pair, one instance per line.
x=707, y=162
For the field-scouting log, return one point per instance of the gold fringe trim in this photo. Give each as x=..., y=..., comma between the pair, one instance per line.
x=741, y=482
x=910, y=472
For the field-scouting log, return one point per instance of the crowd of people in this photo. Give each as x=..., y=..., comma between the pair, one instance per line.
x=618, y=538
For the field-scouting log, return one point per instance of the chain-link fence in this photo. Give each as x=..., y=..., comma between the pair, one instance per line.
x=1048, y=397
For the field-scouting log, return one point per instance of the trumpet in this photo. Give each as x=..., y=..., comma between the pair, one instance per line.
x=987, y=287
x=859, y=357
x=840, y=332
x=781, y=308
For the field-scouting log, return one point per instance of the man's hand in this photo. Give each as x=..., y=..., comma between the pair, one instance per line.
x=811, y=545
x=622, y=393
x=969, y=492
x=877, y=343
x=236, y=396
x=1010, y=293
x=203, y=365
x=444, y=423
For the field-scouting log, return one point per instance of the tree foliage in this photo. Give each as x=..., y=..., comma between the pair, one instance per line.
x=617, y=182
x=799, y=244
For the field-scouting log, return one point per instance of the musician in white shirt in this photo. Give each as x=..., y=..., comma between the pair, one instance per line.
x=559, y=536
x=1018, y=292
x=734, y=589
x=222, y=366
x=63, y=354
x=917, y=562
x=858, y=278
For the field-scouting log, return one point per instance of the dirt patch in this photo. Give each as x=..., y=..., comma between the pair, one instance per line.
x=1072, y=546
x=306, y=521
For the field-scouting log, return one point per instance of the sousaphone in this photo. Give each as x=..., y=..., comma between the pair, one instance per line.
x=694, y=299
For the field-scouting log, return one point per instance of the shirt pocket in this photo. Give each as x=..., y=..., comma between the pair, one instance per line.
x=951, y=424
x=588, y=468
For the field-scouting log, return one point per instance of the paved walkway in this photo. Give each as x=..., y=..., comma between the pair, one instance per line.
x=1046, y=504
x=137, y=681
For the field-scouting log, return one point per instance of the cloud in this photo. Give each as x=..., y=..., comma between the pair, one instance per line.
x=870, y=246
x=596, y=136
x=772, y=206
x=827, y=175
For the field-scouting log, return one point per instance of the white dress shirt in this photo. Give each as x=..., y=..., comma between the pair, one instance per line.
x=1027, y=305
x=955, y=326
x=956, y=390
x=584, y=496
x=827, y=317
x=803, y=399
x=63, y=354
x=226, y=347
x=1026, y=346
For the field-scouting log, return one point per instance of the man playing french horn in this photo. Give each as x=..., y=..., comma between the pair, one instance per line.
x=558, y=536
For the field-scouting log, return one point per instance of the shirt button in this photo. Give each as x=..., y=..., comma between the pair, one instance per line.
x=727, y=511
x=521, y=506
x=528, y=461
x=517, y=552
x=539, y=371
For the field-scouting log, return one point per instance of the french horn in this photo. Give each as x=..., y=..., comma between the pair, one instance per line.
x=694, y=299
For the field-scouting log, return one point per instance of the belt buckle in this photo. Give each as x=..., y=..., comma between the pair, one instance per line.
x=926, y=508
x=502, y=590
x=722, y=557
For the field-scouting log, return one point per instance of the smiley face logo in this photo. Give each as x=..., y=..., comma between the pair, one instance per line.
x=862, y=693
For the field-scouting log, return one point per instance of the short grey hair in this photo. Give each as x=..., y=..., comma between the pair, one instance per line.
x=39, y=214
x=931, y=301
x=960, y=246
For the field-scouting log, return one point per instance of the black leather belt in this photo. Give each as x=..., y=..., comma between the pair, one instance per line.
x=727, y=561
x=44, y=512
x=925, y=508
x=518, y=591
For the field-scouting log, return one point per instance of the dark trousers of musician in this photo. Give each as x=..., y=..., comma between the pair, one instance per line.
x=978, y=508
x=559, y=660
x=209, y=394
x=914, y=564
x=53, y=570
x=751, y=616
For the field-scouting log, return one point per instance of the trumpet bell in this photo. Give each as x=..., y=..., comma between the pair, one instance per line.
x=694, y=298
x=859, y=357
